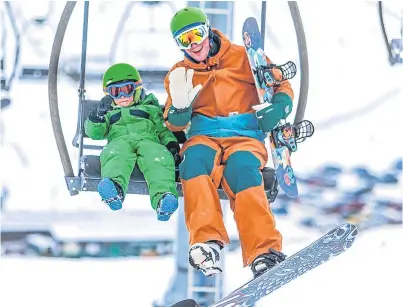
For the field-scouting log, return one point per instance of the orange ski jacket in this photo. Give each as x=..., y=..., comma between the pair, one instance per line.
x=223, y=107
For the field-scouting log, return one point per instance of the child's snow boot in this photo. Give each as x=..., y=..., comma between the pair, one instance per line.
x=166, y=206
x=111, y=193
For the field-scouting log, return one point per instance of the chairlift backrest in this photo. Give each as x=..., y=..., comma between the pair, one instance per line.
x=88, y=106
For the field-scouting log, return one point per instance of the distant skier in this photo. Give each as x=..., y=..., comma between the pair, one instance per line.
x=132, y=122
x=212, y=95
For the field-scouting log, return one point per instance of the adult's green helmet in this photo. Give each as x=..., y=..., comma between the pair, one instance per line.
x=188, y=16
x=120, y=72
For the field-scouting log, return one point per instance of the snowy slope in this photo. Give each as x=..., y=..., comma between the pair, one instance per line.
x=369, y=274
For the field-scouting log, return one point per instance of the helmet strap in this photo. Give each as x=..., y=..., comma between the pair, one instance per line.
x=143, y=94
x=137, y=96
x=215, y=44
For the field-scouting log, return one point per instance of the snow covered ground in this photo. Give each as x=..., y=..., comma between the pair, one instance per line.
x=348, y=72
x=369, y=274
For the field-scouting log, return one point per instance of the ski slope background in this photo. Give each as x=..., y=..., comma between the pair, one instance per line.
x=369, y=274
x=349, y=72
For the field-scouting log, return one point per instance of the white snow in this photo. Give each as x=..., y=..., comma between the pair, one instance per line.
x=348, y=72
x=369, y=274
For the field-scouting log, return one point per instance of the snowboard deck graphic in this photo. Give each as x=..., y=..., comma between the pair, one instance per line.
x=332, y=244
x=265, y=80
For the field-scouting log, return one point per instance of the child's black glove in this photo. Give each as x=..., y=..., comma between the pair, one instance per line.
x=174, y=149
x=98, y=114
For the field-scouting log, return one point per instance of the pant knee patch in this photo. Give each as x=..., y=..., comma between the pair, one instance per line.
x=197, y=160
x=242, y=171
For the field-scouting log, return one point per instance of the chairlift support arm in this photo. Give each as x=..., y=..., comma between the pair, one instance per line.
x=303, y=58
x=303, y=55
x=52, y=90
x=384, y=33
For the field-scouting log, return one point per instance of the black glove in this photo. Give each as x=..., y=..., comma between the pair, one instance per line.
x=98, y=114
x=174, y=149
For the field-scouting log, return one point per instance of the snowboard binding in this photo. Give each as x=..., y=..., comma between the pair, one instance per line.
x=272, y=75
x=289, y=135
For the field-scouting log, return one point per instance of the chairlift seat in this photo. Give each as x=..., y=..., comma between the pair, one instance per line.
x=90, y=167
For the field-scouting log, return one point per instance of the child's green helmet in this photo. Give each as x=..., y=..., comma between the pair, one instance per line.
x=186, y=17
x=120, y=72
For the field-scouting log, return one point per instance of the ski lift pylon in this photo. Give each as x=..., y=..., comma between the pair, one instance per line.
x=89, y=173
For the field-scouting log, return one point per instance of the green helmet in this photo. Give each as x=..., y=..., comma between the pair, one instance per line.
x=120, y=72
x=187, y=16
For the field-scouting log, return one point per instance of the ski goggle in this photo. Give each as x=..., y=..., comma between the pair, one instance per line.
x=194, y=35
x=123, y=89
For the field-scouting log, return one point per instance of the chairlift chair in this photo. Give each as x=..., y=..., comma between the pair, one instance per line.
x=89, y=169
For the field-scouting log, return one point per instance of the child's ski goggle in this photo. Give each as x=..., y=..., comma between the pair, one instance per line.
x=123, y=89
x=194, y=35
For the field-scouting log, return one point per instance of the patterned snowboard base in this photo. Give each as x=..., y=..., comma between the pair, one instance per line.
x=332, y=244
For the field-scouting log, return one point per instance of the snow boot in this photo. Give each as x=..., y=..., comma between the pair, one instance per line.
x=111, y=193
x=166, y=206
x=206, y=257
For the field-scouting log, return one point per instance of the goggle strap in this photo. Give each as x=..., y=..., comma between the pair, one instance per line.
x=136, y=84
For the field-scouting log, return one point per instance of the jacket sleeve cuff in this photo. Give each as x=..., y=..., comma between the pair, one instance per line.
x=179, y=117
x=173, y=146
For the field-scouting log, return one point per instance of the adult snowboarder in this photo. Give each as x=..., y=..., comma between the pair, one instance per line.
x=132, y=122
x=212, y=95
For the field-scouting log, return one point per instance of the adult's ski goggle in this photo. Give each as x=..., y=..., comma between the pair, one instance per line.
x=194, y=35
x=123, y=89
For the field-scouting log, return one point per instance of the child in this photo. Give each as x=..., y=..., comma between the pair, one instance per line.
x=132, y=122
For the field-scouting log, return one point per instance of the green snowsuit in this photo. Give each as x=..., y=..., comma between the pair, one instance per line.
x=136, y=134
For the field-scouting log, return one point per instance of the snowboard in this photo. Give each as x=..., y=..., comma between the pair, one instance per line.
x=267, y=76
x=333, y=243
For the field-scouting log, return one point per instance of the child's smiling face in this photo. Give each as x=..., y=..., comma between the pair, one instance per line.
x=124, y=101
